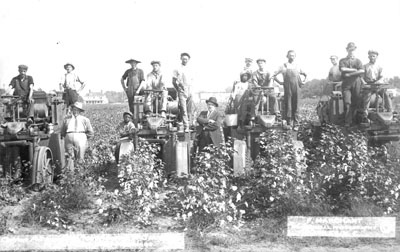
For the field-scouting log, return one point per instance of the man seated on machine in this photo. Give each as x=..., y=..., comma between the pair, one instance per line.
x=22, y=86
x=373, y=75
x=155, y=82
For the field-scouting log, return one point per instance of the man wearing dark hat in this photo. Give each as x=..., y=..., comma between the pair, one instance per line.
x=22, y=86
x=182, y=81
x=373, y=75
x=209, y=130
x=351, y=68
x=156, y=82
x=134, y=78
x=72, y=84
x=262, y=78
x=125, y=129
x=76, y=129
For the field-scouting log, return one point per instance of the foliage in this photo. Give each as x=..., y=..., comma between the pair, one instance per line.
x=52, y=206
x=314, y=88
x=277, y=186
x=140, y=177
x=10, y=192
x=207, y=197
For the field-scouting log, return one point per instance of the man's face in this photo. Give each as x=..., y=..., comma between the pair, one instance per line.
x=244, y=78
x=133, y=64
x=22, y=72
x=291, y=56
x=334, y=61
x=261, y=64
x=372, y=57
x=248, y=63
x=127, y=118
x=156, y=67
x=69, y=68
x=210, y=106
x=350, y=51
x=75, y=111
x=185, y=60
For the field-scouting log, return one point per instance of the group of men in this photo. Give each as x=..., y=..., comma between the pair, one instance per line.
x=133, y=81
x=355, y=80
x=76, y=128
x=247, y=101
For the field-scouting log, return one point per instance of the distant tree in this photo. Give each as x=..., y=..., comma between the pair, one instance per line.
x=395, y=81
x=313, y=88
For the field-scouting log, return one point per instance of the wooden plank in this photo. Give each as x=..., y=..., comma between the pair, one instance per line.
x=368, y=227
x=239, y=157
x=73, y=242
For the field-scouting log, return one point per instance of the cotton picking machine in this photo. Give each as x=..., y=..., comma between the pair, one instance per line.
x=382, y=127
x=177, y=146
x=30, y=146
x=246, y=137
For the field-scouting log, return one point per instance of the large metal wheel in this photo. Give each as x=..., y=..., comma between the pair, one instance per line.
x=42, y=170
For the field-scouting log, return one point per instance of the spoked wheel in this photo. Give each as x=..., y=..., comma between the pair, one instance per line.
x=42, y=171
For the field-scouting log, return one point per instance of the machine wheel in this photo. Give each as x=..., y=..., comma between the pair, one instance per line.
x=42, y=170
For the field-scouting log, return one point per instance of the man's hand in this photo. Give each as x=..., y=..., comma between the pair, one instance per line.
x=31, y=100
x=211, y=121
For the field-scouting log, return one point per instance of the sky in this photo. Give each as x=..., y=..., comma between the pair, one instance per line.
x=98, y=36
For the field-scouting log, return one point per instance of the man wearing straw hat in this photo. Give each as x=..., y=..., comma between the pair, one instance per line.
x=76, y=129
x=134, y=78
x=72, y=84
x=210, y=125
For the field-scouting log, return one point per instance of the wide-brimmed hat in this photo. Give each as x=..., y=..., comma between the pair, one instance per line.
x=78, y=105
x=155, y=62
x=69, y=64
x=23, y=67
x=351, y=46
x=213, y=100
x=127, y=113
x=248, y=59
x=258, y=60
x=132, y=61
x=185, y=54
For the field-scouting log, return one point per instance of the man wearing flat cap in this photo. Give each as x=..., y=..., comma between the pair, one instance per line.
x=209, y=130
x=134, y=78
x=72, y=85
x=76, y=130
x=182, y=81
x=334, y=76
x=262, y=78
x=373, y=75
x=155, y=81
x=352, y=69
x=22, y=86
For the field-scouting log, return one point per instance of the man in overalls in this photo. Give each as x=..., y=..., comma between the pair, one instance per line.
x=135, y=78
x=352, y=69
x=292, y=83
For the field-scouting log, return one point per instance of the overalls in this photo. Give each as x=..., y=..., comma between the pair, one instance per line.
x=291, y=98
x=133, y=85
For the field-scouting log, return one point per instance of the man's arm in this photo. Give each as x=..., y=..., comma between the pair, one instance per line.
x=141, y=80
x=89, y=129
x=274, y=76
x=123, y=78
x=30, y=99
x=214, y=124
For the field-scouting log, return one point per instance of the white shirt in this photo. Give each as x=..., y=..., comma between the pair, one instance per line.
x=71, y=80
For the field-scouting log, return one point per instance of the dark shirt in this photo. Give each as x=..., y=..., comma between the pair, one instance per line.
x=261, y=79
x=135, y=77
x=21, y=87
x=350, y=63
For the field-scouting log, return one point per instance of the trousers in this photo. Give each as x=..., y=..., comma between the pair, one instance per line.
x=76, y=145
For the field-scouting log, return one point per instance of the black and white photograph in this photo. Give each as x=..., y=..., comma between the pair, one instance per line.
x=200, y=125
